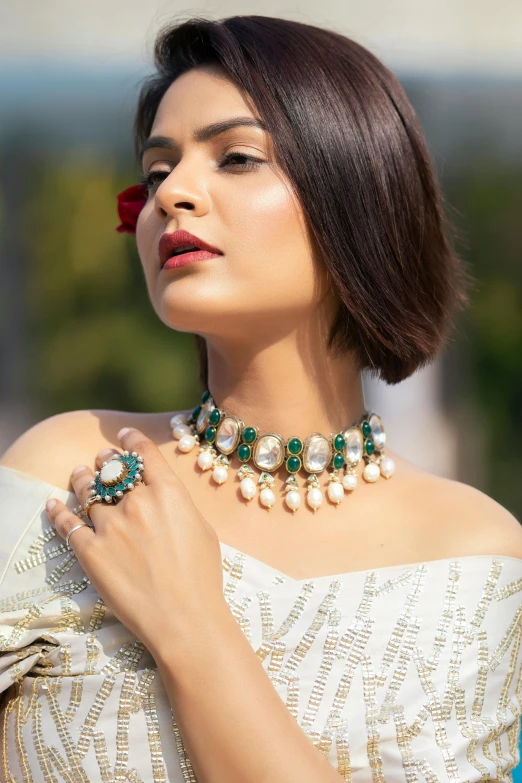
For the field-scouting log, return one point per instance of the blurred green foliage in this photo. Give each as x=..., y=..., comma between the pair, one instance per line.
x=95, y=335
x=489, y=199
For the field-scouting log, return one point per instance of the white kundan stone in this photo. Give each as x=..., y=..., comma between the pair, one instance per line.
x=113, y=470
x=349, y=481
x=187, y=442
x=248, y=488
x=317, y=453
x=205, y=460
x=353, y=448
x=314, y=497
x=335, y=491
x=293, y=499
x=180, y=430
x=267, y=497
x=387, y=467
x=220, y=474
x=268, y=452
x=227, y=435
x=371, y=472
x=202, y=419
x=378, y=434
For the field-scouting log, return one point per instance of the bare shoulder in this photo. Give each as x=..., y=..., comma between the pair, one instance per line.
x=472, y=522
x=51, y=449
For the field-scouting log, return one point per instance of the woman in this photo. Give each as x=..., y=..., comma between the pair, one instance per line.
x=339, y=612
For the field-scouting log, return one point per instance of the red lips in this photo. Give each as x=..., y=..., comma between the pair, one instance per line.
x=130, y=203
x=169, y=242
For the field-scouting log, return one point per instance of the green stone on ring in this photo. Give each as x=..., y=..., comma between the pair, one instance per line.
x=210, y=434
x=294, y=446
x=244, y=452
x=293, y=464
x=249, y=435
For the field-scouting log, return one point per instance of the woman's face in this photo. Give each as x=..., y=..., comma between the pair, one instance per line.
x=228, y=191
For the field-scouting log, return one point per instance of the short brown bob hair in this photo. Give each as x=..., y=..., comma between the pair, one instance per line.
x=347, y=137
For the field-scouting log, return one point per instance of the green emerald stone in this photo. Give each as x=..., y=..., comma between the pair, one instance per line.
x=249, y=435
x=244, y=452
x=214, y=417
x=121, y=487
x=339, y=442
x=293, y=464
x=366, y=429
x=294, y=446
x=369, y=446
x=338, y=461
x=195, y=413
x=205, y=396
x=210, y=434
x=112, y=491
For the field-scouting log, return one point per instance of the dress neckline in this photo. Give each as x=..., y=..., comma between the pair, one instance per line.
x=261, y=564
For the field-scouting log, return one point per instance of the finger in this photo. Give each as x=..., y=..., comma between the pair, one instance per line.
x=157, y=469
x=81, y=480
x=63, y=520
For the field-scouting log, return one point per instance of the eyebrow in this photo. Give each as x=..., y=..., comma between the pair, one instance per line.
x=202, y=134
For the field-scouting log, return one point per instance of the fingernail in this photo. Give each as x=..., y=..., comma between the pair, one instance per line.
x=106, y=451
x=50, y=504
x=79, y=468
x=124, y=431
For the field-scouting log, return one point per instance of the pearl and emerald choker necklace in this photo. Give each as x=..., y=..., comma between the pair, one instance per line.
x=220, y=434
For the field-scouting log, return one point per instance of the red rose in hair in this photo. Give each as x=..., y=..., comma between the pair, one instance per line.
x=130, y=203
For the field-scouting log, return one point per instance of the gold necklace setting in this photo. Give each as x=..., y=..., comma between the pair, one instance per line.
x=218, y=435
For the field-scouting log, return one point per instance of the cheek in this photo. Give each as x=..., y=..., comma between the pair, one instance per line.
x=268, y=238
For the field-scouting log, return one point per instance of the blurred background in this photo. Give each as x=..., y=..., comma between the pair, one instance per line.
x=77, y=329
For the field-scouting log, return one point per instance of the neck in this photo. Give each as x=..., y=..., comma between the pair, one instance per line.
x=283, y=388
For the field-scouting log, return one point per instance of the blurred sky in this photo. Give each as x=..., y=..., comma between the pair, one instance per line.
x=418, y=35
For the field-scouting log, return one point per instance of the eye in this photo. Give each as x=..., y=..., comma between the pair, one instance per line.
x=248, y=162
x=233, y=160
x=149, y=179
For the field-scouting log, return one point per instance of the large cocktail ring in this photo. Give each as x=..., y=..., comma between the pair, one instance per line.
x=119, y=474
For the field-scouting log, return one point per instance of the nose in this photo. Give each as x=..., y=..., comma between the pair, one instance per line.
x=182, y=191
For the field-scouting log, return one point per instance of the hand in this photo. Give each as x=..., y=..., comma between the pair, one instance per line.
x=152, y=557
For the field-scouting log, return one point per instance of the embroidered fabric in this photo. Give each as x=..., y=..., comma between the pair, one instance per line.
x=409, y=672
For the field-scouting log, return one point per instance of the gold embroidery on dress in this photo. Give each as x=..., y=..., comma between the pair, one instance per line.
x=323, y=628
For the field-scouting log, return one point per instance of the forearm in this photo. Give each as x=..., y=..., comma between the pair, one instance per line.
x=234, y=725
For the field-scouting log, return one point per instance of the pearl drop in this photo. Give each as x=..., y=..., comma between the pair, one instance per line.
x=335, y=491
x=387, y=467
x=220, y=474
x=371, y=472
x=293, y=499
x=178, y=418
x=180, y=430
x=349, y=481
x=267, y=497
x=205, y=460
x=314, y=497
x=248, y=488
x=187, y=443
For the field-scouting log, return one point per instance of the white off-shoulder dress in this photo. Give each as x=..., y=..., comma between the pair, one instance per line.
x=402, y=673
